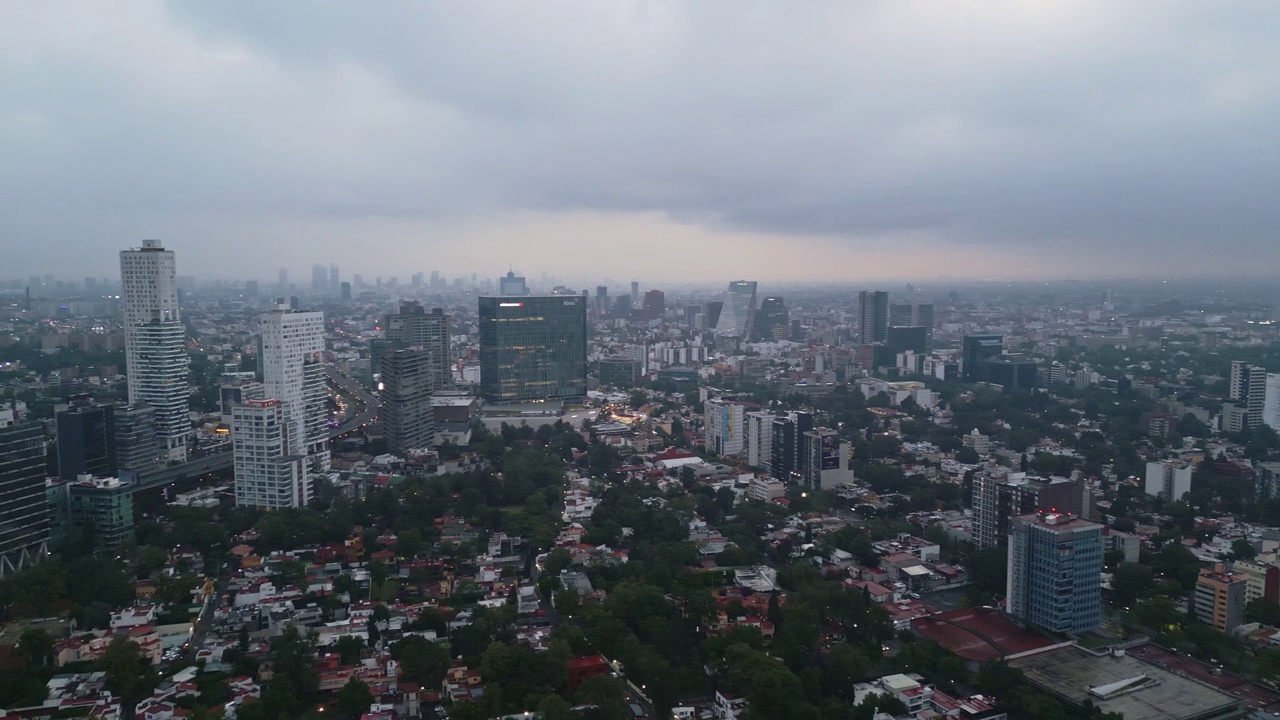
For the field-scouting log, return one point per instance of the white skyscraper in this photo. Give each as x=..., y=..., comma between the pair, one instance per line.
x=293, y=372
x=155, y=343
x=267, y=474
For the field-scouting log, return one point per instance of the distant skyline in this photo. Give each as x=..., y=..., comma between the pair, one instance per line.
x=671, y=141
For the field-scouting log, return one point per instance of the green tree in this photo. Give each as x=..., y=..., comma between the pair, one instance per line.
x=128, y=674
x=37, y=647
x=353, y=700
x=554, y=707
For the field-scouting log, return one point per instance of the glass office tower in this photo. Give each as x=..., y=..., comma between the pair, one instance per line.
x=533, y=348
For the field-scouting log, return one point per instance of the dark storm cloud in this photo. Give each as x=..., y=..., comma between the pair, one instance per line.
x=1147, y=126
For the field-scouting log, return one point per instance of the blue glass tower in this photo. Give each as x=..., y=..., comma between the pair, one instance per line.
x=1055, y=572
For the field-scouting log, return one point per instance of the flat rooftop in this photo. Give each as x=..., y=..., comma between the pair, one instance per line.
x=1070, y=673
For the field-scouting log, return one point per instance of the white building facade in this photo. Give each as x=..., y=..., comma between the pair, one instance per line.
x=267, y=475
x=155, y=343
x=293, y=372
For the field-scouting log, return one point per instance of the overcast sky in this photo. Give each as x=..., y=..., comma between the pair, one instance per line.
x=667, y=140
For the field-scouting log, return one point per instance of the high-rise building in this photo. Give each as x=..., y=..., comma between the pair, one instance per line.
x=1247, y=391
x=913, y=315
x=1220, y=597
x=1171, y=480
x=268, y=473
x=1055, y=572
x=98, y=507
x=413, y=326
x=155, y=343
x=788, y=461
x=345, y=291
x=512, y=284
x=977, y=348
x=711, y=315
x=1271, y=402
x=407, y=379
x=24, y=512
x=1262, y=580
x=826, y=461
x=533, y=348
x=737, y=317
x=724, y=420
x=293, y=372
x=335, y=280
x=602, y=299
x=282, y=278
x=873, y=315
x=998, y=498
x=319, y=278
x=635, y=294
x=759, y=439
x=655, y=304
x=236, y=389
x=772, y=319
x=86, y=441
x=134, y=433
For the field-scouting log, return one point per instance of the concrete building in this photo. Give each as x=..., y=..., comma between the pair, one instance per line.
x=134, y=433
x=1055, y=572
x=1266, y=481
x=725, y=423
x=873, y=316
x=759, y=439
x=293, y=373
x=1271, y=402
x=1262, y=580
x=1169, y=479
x=406, y=384
x=1220, y=597
x=763, y=488
x=24, y=512
x=97, y=508
x=1000, y=496
x=1247, y=390
x=155, y=343
x=268, y=474
x=980, y=443
x=788, y=460
x=826, y=459
x=413, y=326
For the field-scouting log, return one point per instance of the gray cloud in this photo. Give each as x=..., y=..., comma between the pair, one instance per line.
x=1111, y=129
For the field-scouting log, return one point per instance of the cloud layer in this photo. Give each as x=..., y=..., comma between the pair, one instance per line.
x=776, y=140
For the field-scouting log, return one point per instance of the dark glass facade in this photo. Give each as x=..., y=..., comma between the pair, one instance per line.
x=24, y=511
x=533, y=348
x=86, y=442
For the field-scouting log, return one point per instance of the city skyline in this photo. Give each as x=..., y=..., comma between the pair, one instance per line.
x=1028, y=141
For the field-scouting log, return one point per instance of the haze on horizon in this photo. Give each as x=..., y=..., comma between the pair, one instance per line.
x=676, y=141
